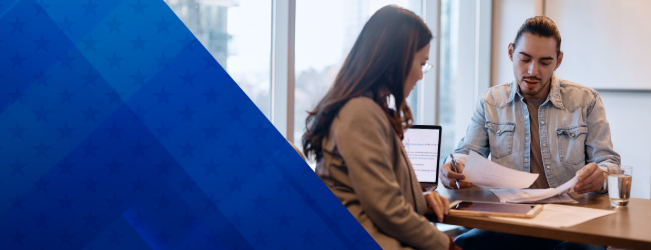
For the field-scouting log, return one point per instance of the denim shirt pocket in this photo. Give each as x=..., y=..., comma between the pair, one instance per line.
x=500, y=138
x=571, y=144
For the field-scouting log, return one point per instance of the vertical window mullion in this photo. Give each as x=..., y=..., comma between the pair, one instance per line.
x=482, y=47
x=428, y=100
x=282, y=67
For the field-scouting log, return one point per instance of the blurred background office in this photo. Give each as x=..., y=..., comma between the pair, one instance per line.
x=285, y=54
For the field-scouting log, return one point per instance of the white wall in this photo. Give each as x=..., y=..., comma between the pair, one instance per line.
x=508, y=16
x=605, y=46
x=610, y=37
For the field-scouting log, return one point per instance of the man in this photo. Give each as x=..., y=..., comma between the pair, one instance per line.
x=537, y=123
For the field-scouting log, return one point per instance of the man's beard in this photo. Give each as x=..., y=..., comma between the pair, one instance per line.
x=532, y=91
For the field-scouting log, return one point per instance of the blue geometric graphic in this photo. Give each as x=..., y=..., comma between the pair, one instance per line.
x=119, y=130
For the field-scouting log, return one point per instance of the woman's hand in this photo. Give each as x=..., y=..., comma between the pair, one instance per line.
x=437, y=204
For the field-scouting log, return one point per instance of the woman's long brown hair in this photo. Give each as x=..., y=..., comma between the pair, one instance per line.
x=381, y=57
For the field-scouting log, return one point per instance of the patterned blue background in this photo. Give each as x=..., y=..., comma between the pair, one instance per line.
x=118, y=130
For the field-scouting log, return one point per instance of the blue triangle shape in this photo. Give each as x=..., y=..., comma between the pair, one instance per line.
x=118, y=129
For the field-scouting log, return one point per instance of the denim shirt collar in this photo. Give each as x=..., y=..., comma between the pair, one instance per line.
x=554, y=93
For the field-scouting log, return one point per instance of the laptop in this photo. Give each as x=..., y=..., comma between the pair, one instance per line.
x=423, y=146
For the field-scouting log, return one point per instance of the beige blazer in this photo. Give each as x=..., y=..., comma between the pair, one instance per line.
x=368, y=170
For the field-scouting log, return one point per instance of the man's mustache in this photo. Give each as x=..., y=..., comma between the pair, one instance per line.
x=530, y=78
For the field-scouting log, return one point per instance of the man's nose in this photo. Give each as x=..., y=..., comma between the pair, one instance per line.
x=533, y=68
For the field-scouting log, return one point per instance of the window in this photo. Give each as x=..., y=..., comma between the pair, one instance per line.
x=446, y=104
x=464, y=65
x=241, y=44
x=321, y=47
x=324, y=32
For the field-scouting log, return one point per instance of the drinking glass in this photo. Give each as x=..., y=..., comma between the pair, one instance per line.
x=619, y=185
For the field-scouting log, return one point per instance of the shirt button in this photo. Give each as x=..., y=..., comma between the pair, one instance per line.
x=547, y=167
x=526, y=138
x=572, y=135
x=525, y=159
x=543, y=123
x=544, y=144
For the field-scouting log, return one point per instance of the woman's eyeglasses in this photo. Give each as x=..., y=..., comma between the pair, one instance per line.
x=427, y=67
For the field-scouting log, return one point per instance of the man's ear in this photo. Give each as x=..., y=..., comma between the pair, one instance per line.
x=560, y=59
x=511, y=51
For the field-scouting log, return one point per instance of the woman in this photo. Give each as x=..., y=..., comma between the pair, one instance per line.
x=357, y=139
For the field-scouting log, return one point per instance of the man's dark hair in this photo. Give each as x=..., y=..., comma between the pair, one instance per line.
x=540, y=26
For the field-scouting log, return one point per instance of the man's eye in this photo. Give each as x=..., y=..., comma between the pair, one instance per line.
x=526, y=60
x=546, y=64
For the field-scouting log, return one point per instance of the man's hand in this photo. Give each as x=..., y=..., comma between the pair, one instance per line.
x=437, y=204
x=591, y=179
x=448, y=176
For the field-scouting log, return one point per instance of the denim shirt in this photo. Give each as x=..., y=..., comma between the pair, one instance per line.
x=573, y=132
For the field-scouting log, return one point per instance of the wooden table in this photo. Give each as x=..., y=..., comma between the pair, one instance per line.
x=630, y=227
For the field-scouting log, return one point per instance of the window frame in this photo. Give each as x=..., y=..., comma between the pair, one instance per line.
x=283, y=72
x=282, y=66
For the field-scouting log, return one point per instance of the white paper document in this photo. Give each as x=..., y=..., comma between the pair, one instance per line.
x=507, y=194
x=561, y=216
x=558, y=195
x=483, y=172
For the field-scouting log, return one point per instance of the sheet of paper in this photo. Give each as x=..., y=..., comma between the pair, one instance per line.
x=483, y=172
x=536, y=195
x=507, y=194
x=561, y=216
x=561, y=198
x=551, y=192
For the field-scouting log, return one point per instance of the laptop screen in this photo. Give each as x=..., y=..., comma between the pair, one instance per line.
x=422, y=143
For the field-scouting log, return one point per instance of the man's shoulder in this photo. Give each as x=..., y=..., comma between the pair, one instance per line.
x=574, y=95
x=569, y=87
x=497, y=95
